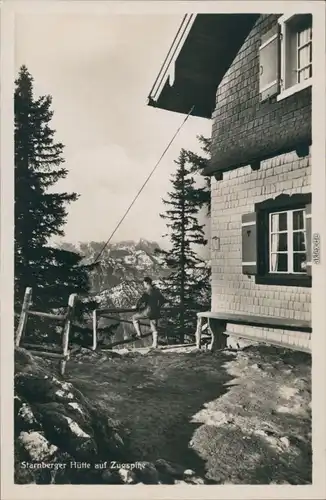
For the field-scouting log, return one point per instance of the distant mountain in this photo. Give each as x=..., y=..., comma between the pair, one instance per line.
x=117, y=280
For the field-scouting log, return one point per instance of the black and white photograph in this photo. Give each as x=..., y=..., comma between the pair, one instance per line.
x=164, y=266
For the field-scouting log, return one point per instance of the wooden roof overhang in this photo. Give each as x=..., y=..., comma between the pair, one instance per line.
x=203, y=50
x=201, y=53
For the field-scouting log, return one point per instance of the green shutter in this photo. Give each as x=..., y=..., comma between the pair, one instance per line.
x=308, y=239
x=249, y=243
x=269, y=64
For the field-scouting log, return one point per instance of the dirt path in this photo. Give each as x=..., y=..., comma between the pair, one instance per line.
x=236, y=417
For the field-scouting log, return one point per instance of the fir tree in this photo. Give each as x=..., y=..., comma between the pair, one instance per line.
x=197, y=163
x=186, y=287
x=40, y=212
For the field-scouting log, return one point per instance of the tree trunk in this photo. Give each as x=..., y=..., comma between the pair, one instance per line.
x=182, y=260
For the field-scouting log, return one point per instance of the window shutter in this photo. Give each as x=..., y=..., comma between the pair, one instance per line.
x=308, y=239
x=249, y=243
x=269, y=64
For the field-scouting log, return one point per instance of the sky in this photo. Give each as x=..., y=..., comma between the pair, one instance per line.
x=99, y=69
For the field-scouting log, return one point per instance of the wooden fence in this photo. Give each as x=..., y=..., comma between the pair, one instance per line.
x=111, y=314
x=61, y=352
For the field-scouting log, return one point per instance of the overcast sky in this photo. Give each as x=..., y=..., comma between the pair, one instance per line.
x=99, y=70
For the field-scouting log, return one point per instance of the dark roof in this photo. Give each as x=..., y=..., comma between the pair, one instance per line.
x=201, y=53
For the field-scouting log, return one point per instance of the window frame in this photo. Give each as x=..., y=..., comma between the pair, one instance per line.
x=300, y=48
x=263, y=211
x=289, y=231
x=286, y=91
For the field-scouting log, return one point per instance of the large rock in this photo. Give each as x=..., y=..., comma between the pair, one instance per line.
x=147, y=473
x=61, y=438
x=170, y=469
x=55, y=424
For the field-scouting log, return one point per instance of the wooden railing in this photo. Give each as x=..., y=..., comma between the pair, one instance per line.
x=60, y=352
x=110, y=313
x=113, y=314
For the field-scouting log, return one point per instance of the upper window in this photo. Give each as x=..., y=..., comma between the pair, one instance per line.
x=285, y=57
x=296, y=53
x=304, y=54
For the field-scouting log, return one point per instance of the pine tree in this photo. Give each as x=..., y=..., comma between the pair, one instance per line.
x=197, y=164
x=40, y=213
x=186, y=287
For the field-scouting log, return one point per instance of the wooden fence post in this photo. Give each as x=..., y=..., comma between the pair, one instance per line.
x=198, y=331
x=66, y=331
x=94, y=330
x=23, y=316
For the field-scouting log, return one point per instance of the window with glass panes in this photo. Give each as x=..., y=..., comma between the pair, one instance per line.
x=287, y=242
x=304, y=54
x=296, y=52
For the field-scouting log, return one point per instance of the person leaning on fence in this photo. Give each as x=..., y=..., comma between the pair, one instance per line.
x=148, y=307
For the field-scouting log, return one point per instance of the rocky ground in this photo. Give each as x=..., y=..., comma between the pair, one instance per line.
x=232, y=417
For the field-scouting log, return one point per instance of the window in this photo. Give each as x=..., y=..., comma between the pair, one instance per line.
x=285, y=57
x=296, y=53
x=287, y=242
x=276, y=241
x=304, y=54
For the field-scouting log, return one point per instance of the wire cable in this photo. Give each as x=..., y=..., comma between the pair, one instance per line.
x=142, y=188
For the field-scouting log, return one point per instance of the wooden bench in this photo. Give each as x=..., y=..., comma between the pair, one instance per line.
x=217, y=323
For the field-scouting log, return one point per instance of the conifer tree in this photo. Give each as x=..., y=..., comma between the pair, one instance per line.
x=40, y=212
x=197, y=163
x=186, y=287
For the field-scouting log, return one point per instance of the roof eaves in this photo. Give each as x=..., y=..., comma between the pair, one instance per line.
x=167, y=69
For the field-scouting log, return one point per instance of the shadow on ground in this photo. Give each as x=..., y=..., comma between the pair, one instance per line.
x=155, y=396
x=240, y=418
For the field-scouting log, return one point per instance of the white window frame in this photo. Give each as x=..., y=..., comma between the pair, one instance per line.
x=290, y=231
x=298, y=48
x=297, y=87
